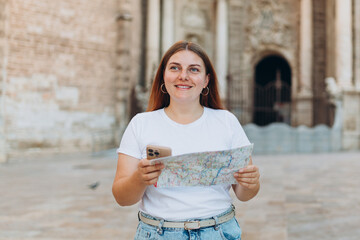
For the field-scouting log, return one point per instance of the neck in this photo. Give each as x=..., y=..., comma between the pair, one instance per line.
x=183, y=113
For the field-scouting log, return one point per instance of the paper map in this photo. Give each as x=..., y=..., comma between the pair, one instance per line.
x=203, y=168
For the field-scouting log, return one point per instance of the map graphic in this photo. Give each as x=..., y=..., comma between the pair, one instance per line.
x=203, y=168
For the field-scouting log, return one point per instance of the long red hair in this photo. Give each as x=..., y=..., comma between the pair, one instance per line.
x=158, y=99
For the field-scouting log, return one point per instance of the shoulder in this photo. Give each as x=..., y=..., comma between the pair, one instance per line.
x=144, y=119
x=146, y=116
x=222, y=114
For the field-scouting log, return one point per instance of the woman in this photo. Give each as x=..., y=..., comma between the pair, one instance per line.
x=184, y=113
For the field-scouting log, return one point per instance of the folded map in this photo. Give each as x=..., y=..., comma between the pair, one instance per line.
x=203, y=168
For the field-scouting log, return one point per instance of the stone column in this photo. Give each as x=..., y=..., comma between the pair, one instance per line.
x=123, y=63
x=345, y=70
x=304, y=98
x=343, y=45
x=306, y=48
x=356, y=22
x=222, y=46
x=153, y=40
x=167, y=25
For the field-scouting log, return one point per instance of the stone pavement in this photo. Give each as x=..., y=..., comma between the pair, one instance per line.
x=302, y=197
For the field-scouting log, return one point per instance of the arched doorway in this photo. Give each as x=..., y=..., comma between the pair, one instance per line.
x=272, y=91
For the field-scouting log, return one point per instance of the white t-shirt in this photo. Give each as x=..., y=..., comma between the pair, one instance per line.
x=214, y=130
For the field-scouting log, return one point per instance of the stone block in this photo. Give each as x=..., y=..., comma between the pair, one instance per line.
x=67, y=96
x=351, y=141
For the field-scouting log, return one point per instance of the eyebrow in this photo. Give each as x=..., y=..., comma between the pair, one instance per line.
x=191, y=65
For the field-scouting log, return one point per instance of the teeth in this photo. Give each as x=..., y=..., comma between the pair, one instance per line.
x=183, y=87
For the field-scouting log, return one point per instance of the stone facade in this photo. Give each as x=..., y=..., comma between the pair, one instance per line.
x=59, y=90
x=259, y=29
x=75, y=72
x=306, y=34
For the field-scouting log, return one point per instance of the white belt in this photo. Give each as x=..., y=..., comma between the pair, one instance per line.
x=188, y=225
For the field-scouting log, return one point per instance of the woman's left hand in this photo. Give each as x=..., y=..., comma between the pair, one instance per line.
x=248, y=177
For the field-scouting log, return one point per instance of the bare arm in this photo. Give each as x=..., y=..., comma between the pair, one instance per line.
x=248, y=182
x=132, y=178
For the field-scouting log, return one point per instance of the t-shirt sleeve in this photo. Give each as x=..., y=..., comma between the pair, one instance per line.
x=129, y=144
x=239, y=138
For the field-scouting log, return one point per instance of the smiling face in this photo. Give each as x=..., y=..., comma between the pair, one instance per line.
x=185, y=77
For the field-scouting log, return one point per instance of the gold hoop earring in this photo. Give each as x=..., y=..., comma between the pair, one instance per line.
x=161, y=89
x=205, y=94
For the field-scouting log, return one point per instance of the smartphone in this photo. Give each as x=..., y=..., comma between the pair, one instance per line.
x=153, y=151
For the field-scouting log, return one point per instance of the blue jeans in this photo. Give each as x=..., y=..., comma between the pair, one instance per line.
x=229, y=230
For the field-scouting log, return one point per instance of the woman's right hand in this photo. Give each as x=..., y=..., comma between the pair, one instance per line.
x=148, y=173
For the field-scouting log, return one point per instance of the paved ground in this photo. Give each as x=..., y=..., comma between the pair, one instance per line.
x=302, y=197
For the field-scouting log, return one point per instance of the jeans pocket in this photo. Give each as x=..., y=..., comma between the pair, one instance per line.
x=145, y=233
x=230, y=230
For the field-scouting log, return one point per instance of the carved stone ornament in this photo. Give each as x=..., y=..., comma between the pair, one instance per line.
x=195, y=38
x=271, y=22
x=194, y=17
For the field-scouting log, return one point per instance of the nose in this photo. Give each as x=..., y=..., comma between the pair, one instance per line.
x=183, y=75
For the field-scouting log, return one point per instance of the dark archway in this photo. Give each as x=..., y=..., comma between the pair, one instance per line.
x=272, y=91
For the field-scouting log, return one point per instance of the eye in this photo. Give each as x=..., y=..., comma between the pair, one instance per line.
x=194, y=70
x=174, y=68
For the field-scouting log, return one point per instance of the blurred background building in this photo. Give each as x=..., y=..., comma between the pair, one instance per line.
x=73, y=72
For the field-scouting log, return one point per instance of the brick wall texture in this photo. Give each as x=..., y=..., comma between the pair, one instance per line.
x=60, y=92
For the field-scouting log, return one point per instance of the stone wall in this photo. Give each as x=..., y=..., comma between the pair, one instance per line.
x=60, y=92
x=3, y=60
x=351, y=127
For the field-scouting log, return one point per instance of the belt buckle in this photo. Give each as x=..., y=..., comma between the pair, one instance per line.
x=187, y=227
